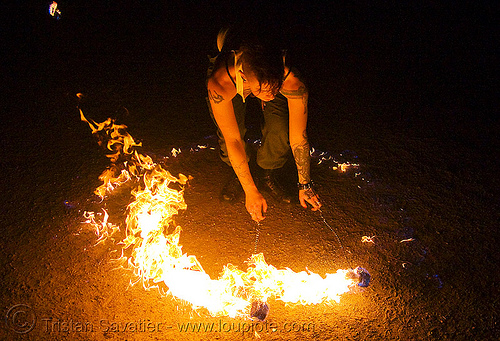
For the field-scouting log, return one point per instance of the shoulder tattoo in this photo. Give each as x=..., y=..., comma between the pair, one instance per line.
x=295, y=94
x=215, y=97
x=300, y=93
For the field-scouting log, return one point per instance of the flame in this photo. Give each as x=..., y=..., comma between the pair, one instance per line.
x=53, y=11
x=152, y=239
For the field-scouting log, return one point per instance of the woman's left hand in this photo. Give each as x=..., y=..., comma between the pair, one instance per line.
x=310, y=197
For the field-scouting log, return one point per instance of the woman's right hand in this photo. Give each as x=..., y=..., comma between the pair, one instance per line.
x=256, y=205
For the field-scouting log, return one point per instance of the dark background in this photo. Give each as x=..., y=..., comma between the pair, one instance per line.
x=416, y=56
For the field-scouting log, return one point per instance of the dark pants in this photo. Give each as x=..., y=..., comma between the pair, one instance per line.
x=275, y=146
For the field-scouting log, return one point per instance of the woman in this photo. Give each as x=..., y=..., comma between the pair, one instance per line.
x=258, y=68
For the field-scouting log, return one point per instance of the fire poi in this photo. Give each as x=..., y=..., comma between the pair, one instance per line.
x=155, y=255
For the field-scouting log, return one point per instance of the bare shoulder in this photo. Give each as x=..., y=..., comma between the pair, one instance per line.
x=293, y=87
x=220, y=87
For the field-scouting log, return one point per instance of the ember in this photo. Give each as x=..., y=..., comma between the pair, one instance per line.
x=156, y=256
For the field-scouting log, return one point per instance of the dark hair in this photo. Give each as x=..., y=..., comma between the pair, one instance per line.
x=265, y=63
x=262, y=46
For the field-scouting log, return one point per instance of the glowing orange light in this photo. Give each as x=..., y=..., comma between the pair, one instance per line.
x=157, y=256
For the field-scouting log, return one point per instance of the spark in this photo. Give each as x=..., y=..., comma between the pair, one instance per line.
x=407, y=240
x=175, y=152
x=366, y=239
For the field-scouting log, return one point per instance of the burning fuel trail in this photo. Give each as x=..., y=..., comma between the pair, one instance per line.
x=151, y=239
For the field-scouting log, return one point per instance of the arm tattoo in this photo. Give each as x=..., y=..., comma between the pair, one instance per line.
x=302, y=159
x=244, y=177
x=295, y=94
x=300, y=93
x=215, y=97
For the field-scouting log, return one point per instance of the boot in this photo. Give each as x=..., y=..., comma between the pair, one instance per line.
x=270, y=184
x=232, y=190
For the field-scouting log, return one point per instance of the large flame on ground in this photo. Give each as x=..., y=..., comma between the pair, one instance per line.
x=152, y=240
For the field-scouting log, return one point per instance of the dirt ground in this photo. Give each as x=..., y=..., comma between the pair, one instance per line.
x=400, y=91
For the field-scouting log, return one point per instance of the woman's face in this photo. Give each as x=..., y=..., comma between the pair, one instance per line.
x=261, y=91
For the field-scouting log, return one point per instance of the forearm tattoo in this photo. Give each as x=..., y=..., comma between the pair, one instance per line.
x=215, y=97
x=241, y=172
x=300, y=93
x=302, y=159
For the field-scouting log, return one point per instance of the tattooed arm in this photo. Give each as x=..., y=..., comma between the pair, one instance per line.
x=220, y=94
x=296, y=93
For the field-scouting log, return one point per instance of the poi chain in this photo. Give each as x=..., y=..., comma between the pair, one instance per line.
x=257, y=233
